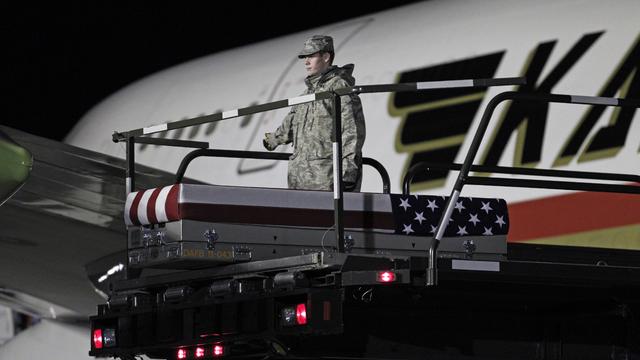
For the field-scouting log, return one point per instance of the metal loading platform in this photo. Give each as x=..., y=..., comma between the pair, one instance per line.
x=211, y=276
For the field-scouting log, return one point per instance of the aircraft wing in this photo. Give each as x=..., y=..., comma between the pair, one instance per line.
x=63, y=226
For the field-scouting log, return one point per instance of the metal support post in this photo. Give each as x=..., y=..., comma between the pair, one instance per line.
x=337, y=172
x=131, y=166
x=130, y=174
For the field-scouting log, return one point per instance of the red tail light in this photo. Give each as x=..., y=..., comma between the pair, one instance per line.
x=301, y=314
x=386, y=276
x=218, y=350
x=199, y=352
x=97, y=338
x=182, y=353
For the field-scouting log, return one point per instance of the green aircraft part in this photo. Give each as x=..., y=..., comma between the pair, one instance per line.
x=15, y=165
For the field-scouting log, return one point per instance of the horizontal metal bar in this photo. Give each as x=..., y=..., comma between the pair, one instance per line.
x=546, y=272
x=274, y=105
x=500, y=81
x=427, y=166
x=428, y=85
x=432, y=85
x=567, y=99
x=380, y=88
x=386, y=183
x=315, y=97
x=548, y=184
x=579, y=99
x=539, y=172
x=171, y=142
x=556, y=173
x=246, y=154
x=314, y=261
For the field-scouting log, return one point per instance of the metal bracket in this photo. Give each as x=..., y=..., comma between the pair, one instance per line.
x=348, y=243
x=469, y=247
x=212, y=236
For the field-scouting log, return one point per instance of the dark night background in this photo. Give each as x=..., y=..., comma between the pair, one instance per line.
x=61, y=59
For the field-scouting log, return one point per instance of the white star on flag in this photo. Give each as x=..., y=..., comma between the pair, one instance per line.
x=487, y=231
x=432, y=205
x=474, y=219
x=500, y=220
x=433, y=229
x=459, y=206
x=419, y=217
x=407, y=229
x=404, y=204
x=486, y=207
x=462, y=230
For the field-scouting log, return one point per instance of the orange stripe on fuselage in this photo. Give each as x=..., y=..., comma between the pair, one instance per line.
x=571, y=213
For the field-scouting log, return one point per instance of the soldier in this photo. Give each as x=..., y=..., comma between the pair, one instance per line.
x=309, y=126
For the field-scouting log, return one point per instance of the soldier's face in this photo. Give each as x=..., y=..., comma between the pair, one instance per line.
x=316, y=63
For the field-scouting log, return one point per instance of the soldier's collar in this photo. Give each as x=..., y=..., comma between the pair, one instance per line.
x=314, y=79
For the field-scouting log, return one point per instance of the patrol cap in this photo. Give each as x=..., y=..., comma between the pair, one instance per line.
x=315, y=44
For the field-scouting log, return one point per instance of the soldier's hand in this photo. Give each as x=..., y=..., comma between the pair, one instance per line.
x=349, y=186
x=269, y=141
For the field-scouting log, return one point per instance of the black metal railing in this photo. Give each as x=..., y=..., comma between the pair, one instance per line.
x=139, y=135
x=532, y=183
x=464, y=178
x=262, y=155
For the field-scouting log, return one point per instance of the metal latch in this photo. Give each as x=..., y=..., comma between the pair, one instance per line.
x=241, y=253
x=212, y=237
x=348, y=243
x=469, y=247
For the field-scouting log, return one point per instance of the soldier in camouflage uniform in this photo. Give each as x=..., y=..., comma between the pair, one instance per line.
x=309, y=126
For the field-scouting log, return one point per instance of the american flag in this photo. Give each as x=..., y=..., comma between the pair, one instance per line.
x=420, y=215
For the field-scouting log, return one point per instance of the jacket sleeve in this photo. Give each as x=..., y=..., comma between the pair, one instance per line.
x=282, y=135
x=353, y=134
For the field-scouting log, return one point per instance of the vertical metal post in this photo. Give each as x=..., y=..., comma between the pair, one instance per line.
x=131, y=166
x=457, y=187
x=130, y=175
x=337, y=172
x=466, y=165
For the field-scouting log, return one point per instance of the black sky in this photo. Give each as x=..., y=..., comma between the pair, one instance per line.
x=62, y=59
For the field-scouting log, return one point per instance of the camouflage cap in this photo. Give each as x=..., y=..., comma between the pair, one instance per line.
x=316, y=43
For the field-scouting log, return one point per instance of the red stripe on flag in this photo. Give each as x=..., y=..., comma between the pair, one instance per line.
x=151, y=206
x=572, y=213
x=171, y=206
x=133, y=212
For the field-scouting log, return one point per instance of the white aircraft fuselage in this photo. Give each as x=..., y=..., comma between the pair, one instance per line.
x=570, y=47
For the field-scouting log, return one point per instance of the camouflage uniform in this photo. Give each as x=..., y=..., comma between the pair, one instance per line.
x=309, y=127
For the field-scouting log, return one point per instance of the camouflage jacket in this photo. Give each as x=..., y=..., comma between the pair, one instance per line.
x=309, y=127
